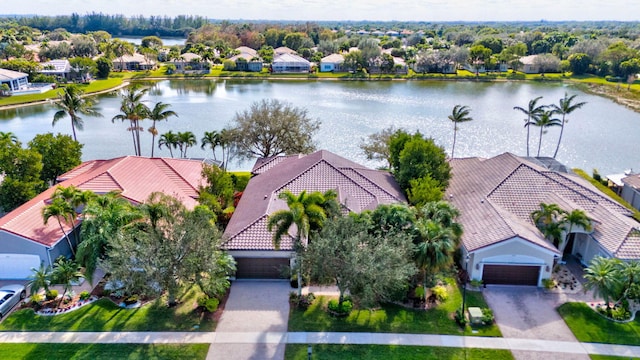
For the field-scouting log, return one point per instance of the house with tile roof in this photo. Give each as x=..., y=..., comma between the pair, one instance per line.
x=290, y=63
x=496, y=197
x=332, y=62
x=631, y=189
x=246, y=236
x=24, y=236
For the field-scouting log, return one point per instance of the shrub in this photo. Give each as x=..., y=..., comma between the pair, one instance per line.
x=461, y=318
x=210, y=304
x=84, y=295
x=476, y=283
x=340, y=310
x=620, y=313
x=131, y=300
x=302, y=302
x=420, y=292
x=487, y=316
x=440, y=292
x=51, y=294
x=36, y=298
x=548, y=283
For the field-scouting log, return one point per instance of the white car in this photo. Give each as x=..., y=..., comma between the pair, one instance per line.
x=10, y=295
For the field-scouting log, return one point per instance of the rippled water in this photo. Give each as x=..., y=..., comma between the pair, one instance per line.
x=601, y=135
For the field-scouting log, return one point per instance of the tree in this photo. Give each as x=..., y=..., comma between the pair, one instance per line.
x=576, y=217
x=40, y=278
x=65, y=272
x=60, y=153
x=217, y=192
x=186, y=140
x=118, y=49
x=153, y=42
x=435, y=245
x=271, y=128
x=479, y=55
x=547, y=214
x=72, y=103
x=76, y=199
x=533, y=112
x=543, y=122
x=424, y=190
x=169, y=140
x=158, y=113
x=600, y=275
x=376, y=146
x=371, y=267
x=458, y=115
x=305, y=211
x=103, y=67
x=212, y=139
x=565, y=108
x=22, y=169
x=63, y=212
x=133, y=110
x=579, y=63
x=421, y=157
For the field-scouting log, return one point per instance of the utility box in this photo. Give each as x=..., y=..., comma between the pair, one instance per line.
x=475, y=315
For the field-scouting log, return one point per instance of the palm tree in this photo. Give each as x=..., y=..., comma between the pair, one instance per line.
x=65, y=272
x=459, y=114
x=565, y=108
x=76, y=199
x=211, y=138
x=133, y=110
x=532, y=112
x=443, y=213
x=547, y=214
x=435, y=245
x=305, y=211
x=169, y=140
x=39, y=279
x=544, y=121
x=8, y=137
x=158, y=113
x=63, y=212
x=576, y=217
x=601, y=276
x=73, y=104
x=628, y=272
x=185, y=141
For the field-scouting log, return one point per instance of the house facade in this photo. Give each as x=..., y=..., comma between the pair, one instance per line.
x=332, y=63
x=133, y=62
x=191, y=63
x=631, y=190
x=246, y=236
x=14, y=79
x=290, y=63
x=496, y=197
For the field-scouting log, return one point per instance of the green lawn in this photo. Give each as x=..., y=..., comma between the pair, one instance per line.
x=102, y=351
x=393, y=318
x=389, y=352
x=607, y=357
x=104, y=315
x=588, y=326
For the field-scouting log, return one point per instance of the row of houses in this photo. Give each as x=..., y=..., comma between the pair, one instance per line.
x=495, y=196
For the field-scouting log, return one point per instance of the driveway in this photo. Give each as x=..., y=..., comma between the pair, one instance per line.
x=529, y=313
x=258, y=307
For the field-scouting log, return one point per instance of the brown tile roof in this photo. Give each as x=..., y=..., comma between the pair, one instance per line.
x=496, y=197
x=359, y=188
x=632, y=180
x=135, y=177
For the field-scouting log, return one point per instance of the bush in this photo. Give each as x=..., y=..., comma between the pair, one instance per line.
x=461, y=318
x=131, y=300
x=620, y=313
x=51, y=294
x=487, y=316
x=84, y=295
x=440, y=292
x=36, y=299
x=476, y=283
x=340, y=310
x=548, y=283
x=302, y=302
x=420, y=292
x=210, y=304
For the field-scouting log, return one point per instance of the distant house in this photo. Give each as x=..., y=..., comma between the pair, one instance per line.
x=247, y=238
x=14, y=79
x=60, y=68
x=24, y=236
x=290, y=63
x=496, y=197
x=333, y=62
x=247, y=59
x=191, y=63
x=529, y=65
x=631, y=190
x=133, y=62
x=283, y=50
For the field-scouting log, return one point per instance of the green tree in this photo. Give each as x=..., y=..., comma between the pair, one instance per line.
x=63, y=213
x=271, y=128
x=118, y=48
x=458, y=115
x=60, y=153
x=211, y=139
x=133, y=110
x=424, y=190
x=103, y=67
x=40, y=278
x=421, y=157
x=435, y=245
x=186, y=140
x=601, y=276
x=533, y=112
x=71, y=103
x=544, y=122
x=159, y=112
x=66, y=273
x=579, y=63
x=169, y=140
x=217, y=192
x=565, y=107
x=22, y=169
x=153, y=42
x=376, y=146
x=576, y=217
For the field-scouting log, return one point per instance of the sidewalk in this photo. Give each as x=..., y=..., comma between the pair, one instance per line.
x=565, y=347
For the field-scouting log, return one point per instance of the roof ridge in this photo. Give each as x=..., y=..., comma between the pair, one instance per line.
x=374, y=183
x=176, y=172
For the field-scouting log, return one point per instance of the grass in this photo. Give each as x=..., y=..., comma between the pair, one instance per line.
x=393, y=318
x=608, y=192
x=388, y=352
x=104, y=315
x=608, y=357
x=102, y=351
x=588, y=326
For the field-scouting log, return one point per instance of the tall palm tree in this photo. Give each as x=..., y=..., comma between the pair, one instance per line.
x=443, y=213
x=169, y=140
x=565, y=108
x=186, y=140
x=73, y=104
x=629, y=273
x=459, y=114
x=601, y=276
x=63, y=212
x=547, y=214
x=435, y=245
x=532, y=112
x=158, y=113
x=212, y=139
x=133, y=110
x=305, y=211
x=544, y=121
x=576, y=217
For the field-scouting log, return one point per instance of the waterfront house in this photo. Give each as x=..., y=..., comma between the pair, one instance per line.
x=290, y=63
x=332, y=63
x=133, y=62
x=14, y=79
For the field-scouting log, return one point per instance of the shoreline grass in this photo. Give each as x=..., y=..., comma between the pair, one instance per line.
x=50, y=351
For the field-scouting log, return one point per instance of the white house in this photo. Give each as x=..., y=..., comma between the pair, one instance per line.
x=290, y=63
x=15, y=79
x=332, y=62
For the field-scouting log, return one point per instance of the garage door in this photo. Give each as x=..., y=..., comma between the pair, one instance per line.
x=17, y=266
x=511, y=275
x=260, y=268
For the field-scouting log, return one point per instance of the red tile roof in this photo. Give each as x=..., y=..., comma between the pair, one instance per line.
x=135, y=177
x=497, y=196
x=359, y=188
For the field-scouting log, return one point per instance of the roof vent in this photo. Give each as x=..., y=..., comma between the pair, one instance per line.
x=265, y=196
x=481, y=201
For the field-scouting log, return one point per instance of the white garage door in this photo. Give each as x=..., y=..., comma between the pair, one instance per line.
x=17, y=266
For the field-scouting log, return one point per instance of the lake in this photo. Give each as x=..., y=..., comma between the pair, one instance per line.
x=601, y=135
x=137, y=40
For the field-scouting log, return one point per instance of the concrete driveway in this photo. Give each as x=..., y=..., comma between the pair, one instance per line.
x=258, y=307
x=528, y=313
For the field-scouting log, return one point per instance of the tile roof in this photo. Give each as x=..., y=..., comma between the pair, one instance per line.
x=290, y=58
x=496, y=197
x=632, y=180
x=333, y=58
x=135, y=177
x=359, y=188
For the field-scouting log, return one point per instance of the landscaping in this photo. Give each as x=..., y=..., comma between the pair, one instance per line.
x=385, y=352
x=588, y=326
x=102, y=351
x=393, y=318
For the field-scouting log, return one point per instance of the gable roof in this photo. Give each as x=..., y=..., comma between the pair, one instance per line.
x=135, y=177
x=359, y=188
x=496, y=197
x=56, y=66
x=283, y=50
x=290, y=58
x=333, y=58
x=6, y=75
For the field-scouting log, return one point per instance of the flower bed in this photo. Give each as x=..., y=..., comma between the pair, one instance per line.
x=50, y=308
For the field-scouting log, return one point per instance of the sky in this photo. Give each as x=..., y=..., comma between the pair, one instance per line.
x=387, y=10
